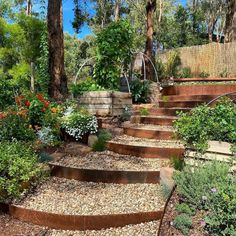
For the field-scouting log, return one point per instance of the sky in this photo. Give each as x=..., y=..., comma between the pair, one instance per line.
x=69, y=15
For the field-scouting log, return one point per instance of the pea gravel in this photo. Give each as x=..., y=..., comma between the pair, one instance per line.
x=144, y=229
x=152, y=127
x=108, y=160
x=143, y=142
x=71, y=197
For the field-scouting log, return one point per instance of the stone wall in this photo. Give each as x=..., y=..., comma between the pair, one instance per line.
x=212, y=58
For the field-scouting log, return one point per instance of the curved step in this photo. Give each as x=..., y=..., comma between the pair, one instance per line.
x=179, y=98
x=157, y=120
x=183, y=104
x=107, y=167
x=146, y=148
x=212, y=89
x=150, y=132
x=105, y=176
x=165, y=111
x=72, y=205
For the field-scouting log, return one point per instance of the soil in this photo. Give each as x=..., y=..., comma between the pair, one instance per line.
x=167, y=228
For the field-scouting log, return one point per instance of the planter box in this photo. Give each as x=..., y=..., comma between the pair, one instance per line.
x=105, y=103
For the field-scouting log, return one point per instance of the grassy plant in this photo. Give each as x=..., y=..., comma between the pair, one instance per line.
x=103, y=137
x=144, y=111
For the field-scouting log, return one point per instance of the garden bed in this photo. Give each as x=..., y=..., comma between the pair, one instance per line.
x=167, y=228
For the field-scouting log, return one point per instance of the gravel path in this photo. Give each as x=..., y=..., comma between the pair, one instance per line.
x=144, y=229
x=83, y=198
x=152, y=127
x=108, y=160
x=129, y=140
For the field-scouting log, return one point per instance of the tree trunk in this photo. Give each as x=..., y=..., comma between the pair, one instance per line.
x=58, y=80
x=117, y=10
x=29, y=8
x=150, y=9
x=230, y=25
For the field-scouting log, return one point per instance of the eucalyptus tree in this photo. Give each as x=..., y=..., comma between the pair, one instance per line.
x=230, y=28
x=58, y=80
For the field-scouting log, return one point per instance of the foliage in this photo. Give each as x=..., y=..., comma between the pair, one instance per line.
x=18, y=168
x=7, y=93
x=144, y=111
x=43, y=68
x=225, y=73
x=77, y=123
x=86, y=85
x=210, y=188
x=205, y=123
x=183, y=223
x=103, y=137
x=140, y=90
x=169, y=68
x=185, y=73
x=126, y=114
x=204, y=74
x=114, y=46
x=177, y=163
x=15, y=125
x=185, y=208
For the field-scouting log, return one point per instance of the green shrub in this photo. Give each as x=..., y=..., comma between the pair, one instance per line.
x=185, y=208
x=114, y=46
x=185, y=73
x=144, y=111
x=16, y=126
x=103, y=137
x=204, y=74
x=177, y=162
x=126, y=114
x=7, y=93
x=85, y=86
x=213, y=189
x=170, y=67
x=205, y=123
x=140, y=90
x=18, y=168
x=194, y=184
x=183, y=222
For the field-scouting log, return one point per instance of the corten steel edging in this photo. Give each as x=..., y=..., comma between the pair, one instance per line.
x=145, y=152
x=149, y=134
x=164, y=211
x=81, y=222
x=105, y=176
x=209, y=89
x=156, y=120
x=204, y=79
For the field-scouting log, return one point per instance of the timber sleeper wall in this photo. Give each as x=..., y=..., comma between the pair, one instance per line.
x=105, y=103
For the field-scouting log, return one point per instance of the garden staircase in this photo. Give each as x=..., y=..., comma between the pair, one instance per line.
x=152, y=137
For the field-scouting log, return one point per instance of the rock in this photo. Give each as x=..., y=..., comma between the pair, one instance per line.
x=57, y=156
x=166, y=176
x=92, y=139
x=77, y=149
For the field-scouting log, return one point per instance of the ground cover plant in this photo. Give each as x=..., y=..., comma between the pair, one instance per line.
x=211, y=188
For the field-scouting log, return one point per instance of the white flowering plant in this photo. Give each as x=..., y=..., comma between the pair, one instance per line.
x=76, y=123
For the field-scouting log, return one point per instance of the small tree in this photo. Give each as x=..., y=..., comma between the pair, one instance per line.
x=114, y=46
